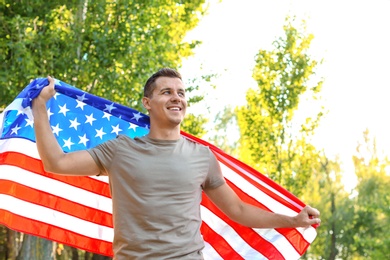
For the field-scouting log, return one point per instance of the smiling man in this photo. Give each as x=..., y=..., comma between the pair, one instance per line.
x=157, y=180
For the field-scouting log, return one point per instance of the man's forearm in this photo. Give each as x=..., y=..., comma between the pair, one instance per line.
x=48, y=147
x=255, y=217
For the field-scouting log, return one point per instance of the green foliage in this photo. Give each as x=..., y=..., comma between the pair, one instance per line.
x=3, y=240
x=194, y=125
x=326, y=192
x=372, y=205
x=224, y=123
x=108, y=48
x=354, y=226
x=270, y=140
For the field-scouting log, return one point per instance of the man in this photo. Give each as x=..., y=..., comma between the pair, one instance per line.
x=157, y=180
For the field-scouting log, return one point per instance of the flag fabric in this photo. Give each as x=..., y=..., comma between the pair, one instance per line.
x=76, y=210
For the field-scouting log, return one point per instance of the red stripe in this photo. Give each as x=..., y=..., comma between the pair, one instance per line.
x=35, y=165
x=219, y=244
x=295, y=238
x=60, y=235
x=56, y=203
x=250, y=236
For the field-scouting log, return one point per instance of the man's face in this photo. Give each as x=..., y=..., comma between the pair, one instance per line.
x=167, y=105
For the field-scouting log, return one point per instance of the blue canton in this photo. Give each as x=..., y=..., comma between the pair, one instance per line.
x=79, y=120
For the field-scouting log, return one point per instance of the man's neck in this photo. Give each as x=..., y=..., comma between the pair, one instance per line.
x=165, y=134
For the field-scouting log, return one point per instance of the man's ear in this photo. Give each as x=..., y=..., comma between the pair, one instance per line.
x=145, y=102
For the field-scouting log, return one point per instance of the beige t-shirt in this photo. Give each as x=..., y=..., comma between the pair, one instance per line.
x=156, y=188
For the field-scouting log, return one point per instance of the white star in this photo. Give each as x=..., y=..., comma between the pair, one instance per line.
x=109, y=107
x=137, y=116
x=83, y=140
x=100, y=133
x=22, y=111
x=106, y=115
x=15, y=130
x=56, y=129
x=67, y=143
x=29, y=122
x=133, y=126
x=49, y=114
x=74, y=123
x=81, y=98
x=90, y=119
x=56, y=95
x=116, y=129
x=63, y=109
x=57, y=82
x=80, y=104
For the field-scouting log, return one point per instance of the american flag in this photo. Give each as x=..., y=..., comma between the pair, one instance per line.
x=76, y=211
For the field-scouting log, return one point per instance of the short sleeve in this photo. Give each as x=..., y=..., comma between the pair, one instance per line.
x=214, y=176
x=103, y=154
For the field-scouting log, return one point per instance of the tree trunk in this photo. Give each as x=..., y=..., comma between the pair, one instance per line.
x=13, y=242
x=34, y=248
x=333, y=249
x=75, y=254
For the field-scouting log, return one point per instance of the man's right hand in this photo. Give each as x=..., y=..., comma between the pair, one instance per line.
x=47, y=92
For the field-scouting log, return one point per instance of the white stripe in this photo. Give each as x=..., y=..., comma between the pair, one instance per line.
x=29, y=148
x=19, y=145
x=15, y=105
x=230, y=235
x=309, y=233
x=209, y=252
x=56, y=218
x=56, y=187
x=280, y=243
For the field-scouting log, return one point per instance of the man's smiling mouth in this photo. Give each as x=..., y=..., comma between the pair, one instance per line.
x=174, y=108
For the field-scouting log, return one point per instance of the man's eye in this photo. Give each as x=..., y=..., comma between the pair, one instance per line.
x=182, y=94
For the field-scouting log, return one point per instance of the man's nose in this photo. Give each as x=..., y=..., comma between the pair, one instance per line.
x=175, y=96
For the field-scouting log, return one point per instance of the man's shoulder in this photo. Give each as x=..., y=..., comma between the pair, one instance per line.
x=198, y=146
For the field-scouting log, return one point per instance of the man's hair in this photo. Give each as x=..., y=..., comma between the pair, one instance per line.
x=150, y=84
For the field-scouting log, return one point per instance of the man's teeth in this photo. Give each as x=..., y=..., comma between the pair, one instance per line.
x=175, y=109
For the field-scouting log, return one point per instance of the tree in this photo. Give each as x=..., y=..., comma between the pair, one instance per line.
x=326, y=191
x=106, y=47
x=35, y=248
x=271, y=141
x=355, y=225
x=372, y=204
x=224, y=125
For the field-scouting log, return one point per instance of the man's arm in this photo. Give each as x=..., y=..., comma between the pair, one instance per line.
x=251, y=216
x=53, y=158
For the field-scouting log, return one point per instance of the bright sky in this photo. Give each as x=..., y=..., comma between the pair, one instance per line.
x=353, y=37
